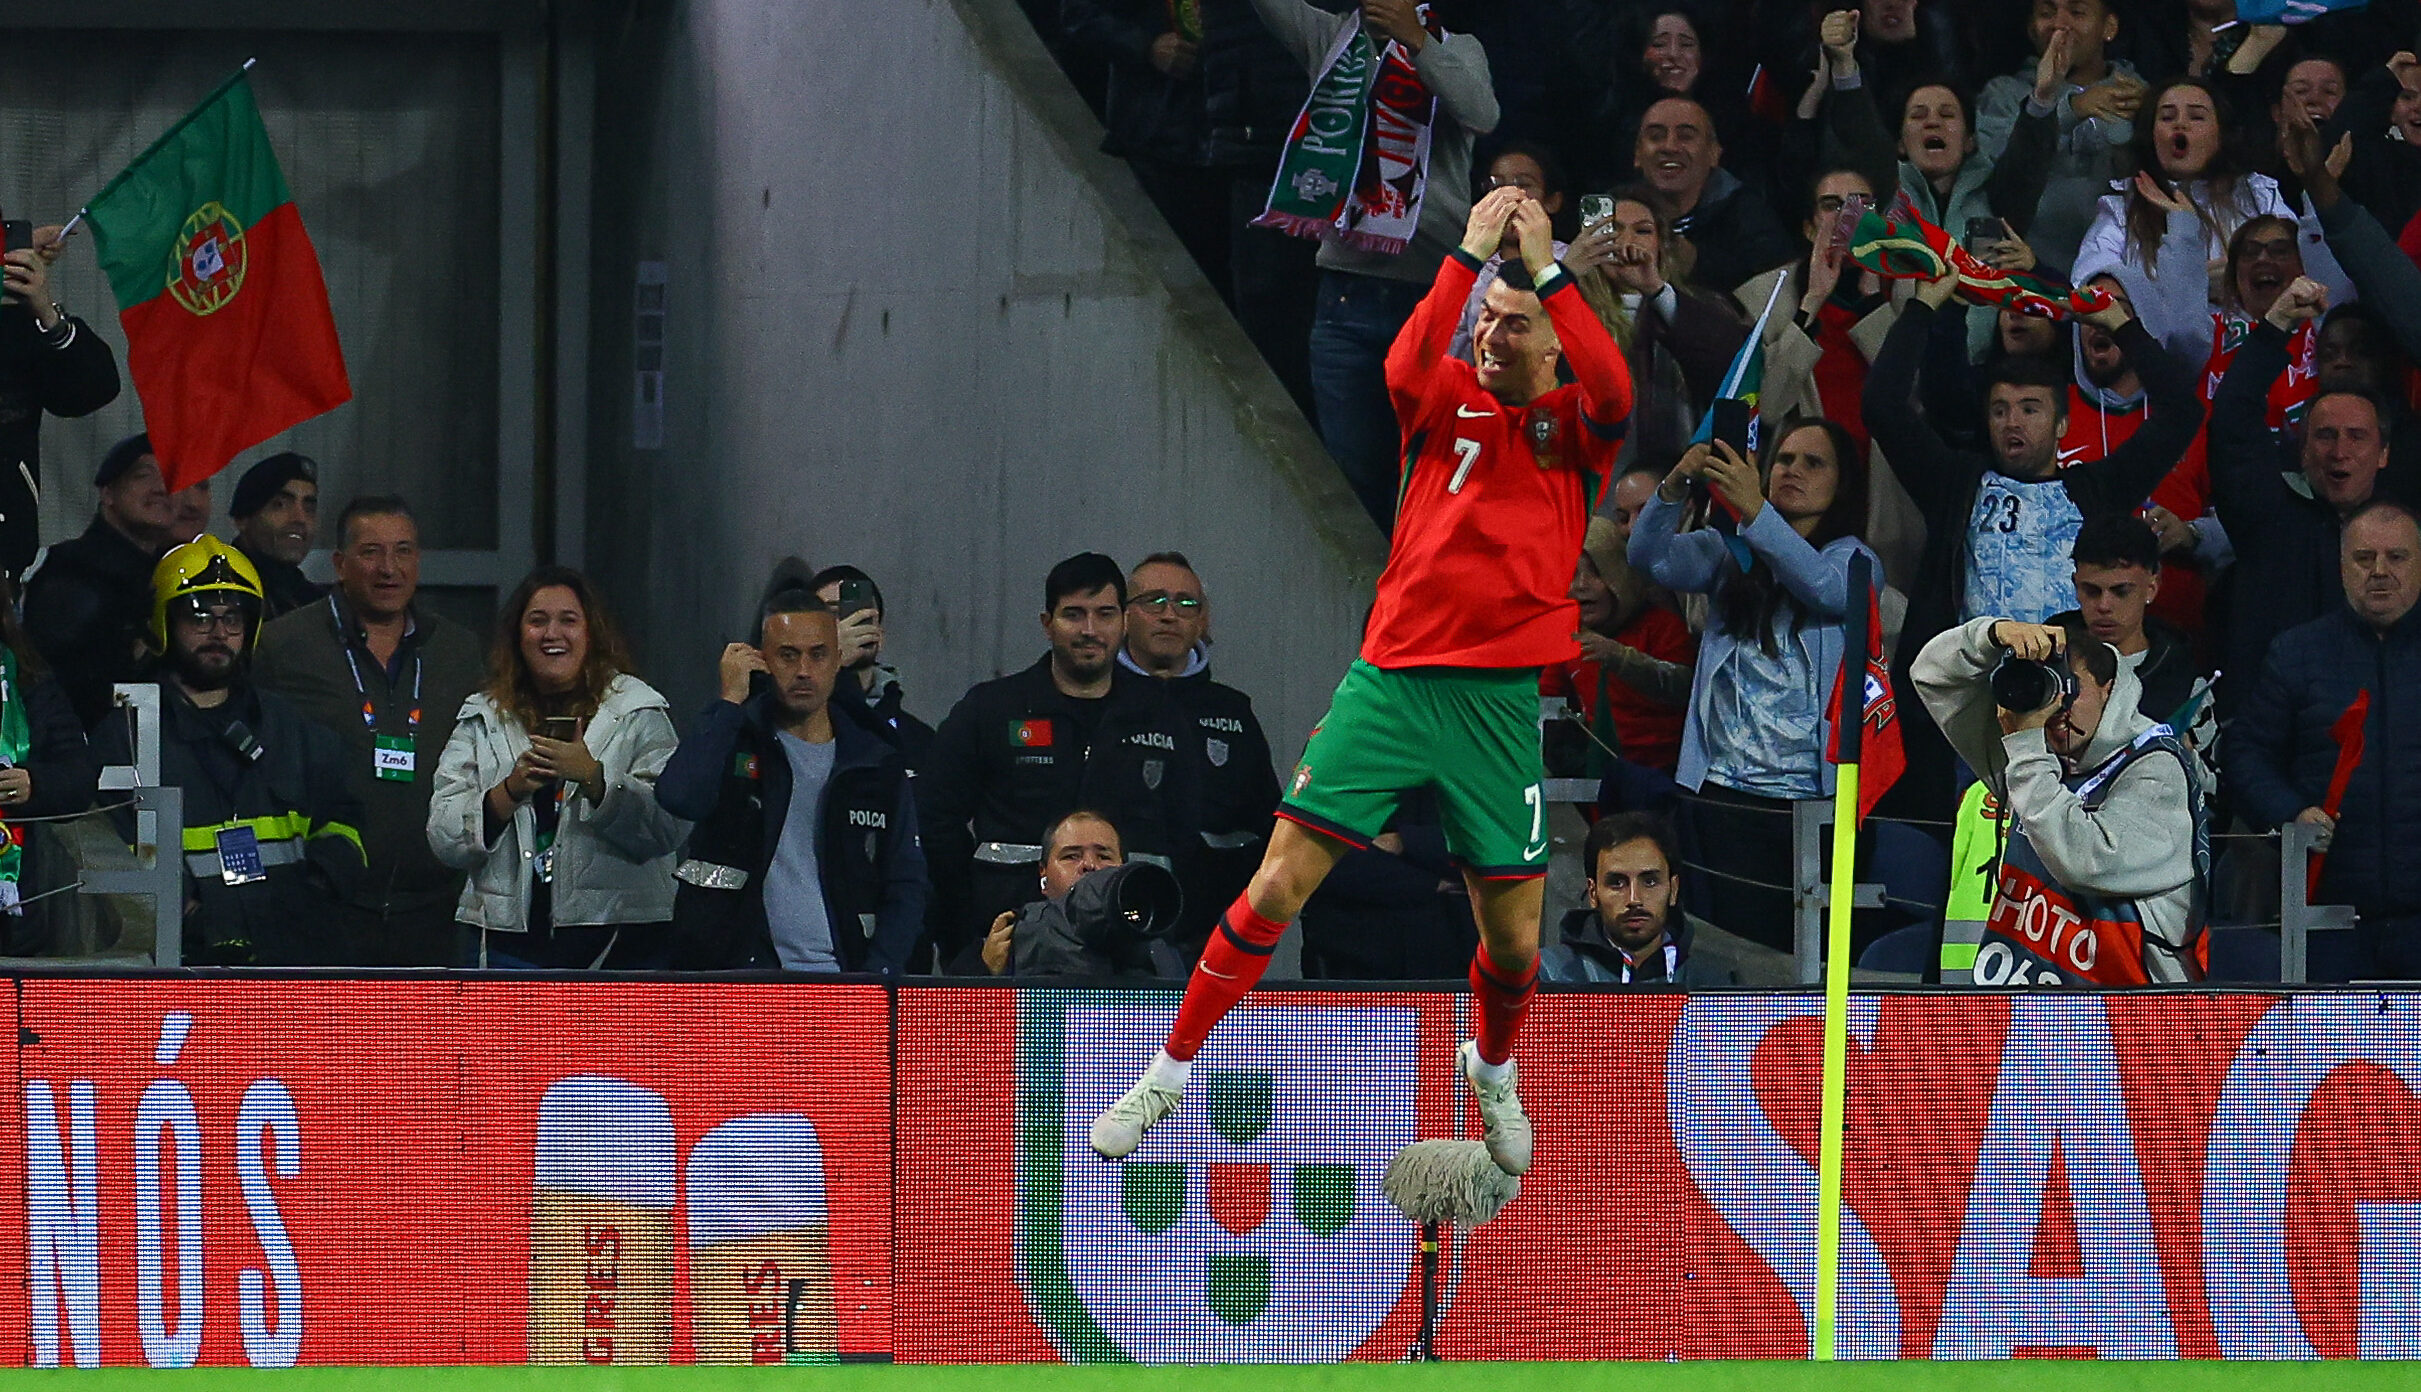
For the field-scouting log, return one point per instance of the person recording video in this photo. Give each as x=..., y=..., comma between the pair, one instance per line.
x=2103, y=877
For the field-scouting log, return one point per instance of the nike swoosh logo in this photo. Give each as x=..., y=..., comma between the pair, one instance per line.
x=1468, y=414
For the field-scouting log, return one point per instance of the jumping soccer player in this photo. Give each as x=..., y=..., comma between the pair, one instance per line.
x=1505, y=467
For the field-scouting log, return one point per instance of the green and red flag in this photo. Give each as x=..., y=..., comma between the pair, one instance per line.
x=229, y=337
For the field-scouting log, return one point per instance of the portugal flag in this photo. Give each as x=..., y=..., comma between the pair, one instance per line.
x=228, y=334
x=1872, y=739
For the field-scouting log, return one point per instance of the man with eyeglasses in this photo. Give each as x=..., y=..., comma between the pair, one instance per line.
x=272, y=832
x=1019, y=752
x=1168, y=637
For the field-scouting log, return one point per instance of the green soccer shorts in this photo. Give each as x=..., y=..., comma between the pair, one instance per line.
x=1469, y=732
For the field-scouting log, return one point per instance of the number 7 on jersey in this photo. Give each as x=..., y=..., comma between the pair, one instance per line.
x=1469, y=451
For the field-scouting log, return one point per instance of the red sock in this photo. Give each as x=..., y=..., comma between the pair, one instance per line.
x=1231, y=962
x=1499, y=999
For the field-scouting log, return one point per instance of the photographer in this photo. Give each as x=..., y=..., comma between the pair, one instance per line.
x=2103, y=878
x=1075, y=929
x=49, y=361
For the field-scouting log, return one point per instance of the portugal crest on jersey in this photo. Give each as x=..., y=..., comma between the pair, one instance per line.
x=1544, y=435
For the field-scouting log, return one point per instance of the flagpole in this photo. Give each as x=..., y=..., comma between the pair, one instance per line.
x=1740, y=360
x=1849, y=739
x=68, y=229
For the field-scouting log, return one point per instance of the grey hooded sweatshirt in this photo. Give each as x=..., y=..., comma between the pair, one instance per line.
x=2139, y=844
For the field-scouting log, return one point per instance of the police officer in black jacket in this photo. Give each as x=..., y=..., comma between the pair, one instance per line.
x=1020, y=751
x=744, y=897
x=1168, y=637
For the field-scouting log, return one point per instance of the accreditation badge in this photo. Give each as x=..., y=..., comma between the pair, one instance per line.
x=393, y=757
x=240, y=855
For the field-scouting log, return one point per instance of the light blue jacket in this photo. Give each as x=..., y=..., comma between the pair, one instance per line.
x=1699, y=562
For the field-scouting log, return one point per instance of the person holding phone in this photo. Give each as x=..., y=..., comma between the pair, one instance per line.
x=1755, y=738
x=50, y=361
x=546, y=793
x=875, y=699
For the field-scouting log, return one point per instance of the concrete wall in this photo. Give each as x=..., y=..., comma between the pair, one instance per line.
x=915, y=322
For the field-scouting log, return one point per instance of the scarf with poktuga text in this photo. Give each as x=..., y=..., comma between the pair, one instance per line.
x=1357, y=161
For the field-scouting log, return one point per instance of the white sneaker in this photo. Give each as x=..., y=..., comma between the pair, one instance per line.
x=1503, y=1124
x=1119, y=1130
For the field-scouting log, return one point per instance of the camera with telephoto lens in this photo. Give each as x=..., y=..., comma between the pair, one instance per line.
x=1113, y=923
x=2023, y=684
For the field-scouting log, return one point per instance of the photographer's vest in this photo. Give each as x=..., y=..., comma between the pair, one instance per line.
x=1975, y=852
x=2042, y=933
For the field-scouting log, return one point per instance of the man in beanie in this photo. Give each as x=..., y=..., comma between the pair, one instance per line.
x=276, y=515
x=89, y=603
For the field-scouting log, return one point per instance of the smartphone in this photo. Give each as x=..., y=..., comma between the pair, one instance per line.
x=1733, y=418
x=560, y=727
x=1983, y=232
x=1853, y=211
x=1595, y=208
x=16, y=235
x=857, y=596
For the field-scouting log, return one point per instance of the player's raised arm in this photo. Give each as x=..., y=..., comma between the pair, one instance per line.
x=1596, y=361
x=1422, y=342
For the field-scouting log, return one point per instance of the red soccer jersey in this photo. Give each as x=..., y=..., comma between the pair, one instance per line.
x=2295, y=387
x=2186, y=491
x=1495, y=499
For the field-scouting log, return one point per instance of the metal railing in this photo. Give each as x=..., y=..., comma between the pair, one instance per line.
x=159, y=817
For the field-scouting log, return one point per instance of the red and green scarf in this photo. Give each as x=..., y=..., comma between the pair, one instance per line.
x=1910, y=248
x=1357, y=161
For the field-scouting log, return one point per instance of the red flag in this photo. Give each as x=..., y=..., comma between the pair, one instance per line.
x=1881, y=759
x=2347, y=732
x=1766, y=100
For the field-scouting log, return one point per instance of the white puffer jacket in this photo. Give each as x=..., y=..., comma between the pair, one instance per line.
x=613, y=859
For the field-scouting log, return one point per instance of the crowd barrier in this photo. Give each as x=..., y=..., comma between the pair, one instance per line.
x=441, y=1170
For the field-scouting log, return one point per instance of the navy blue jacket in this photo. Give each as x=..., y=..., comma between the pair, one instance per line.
x=732, y=779
x=2278, y=754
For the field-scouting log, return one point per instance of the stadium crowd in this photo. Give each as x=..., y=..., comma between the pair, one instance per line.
x=2177, y=494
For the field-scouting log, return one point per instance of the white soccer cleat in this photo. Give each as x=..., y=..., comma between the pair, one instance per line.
x=1119, y=1130
x=1503, y=1124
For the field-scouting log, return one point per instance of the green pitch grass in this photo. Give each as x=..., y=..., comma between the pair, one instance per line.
x=2028, y=1376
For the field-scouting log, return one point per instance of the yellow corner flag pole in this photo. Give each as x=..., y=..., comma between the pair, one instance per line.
x=1850, y=720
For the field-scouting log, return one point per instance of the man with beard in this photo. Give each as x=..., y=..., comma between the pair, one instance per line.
x=276, y=515
x=1019, y=752
x=271, y=834
x=1632, y=931
x=1999, y=523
